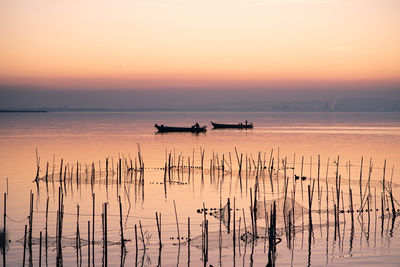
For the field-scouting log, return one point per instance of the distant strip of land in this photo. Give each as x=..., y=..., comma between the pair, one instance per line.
x=23, y=110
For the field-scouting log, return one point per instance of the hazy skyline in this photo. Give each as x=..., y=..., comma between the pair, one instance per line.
x=204, y=99
x=199, y=44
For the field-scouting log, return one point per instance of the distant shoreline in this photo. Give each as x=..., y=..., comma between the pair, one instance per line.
x=51, y=110
x=23, y=110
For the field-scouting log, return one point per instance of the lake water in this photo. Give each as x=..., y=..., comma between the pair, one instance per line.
x=90, y=137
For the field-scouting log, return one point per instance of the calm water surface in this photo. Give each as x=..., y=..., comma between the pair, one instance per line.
x=88, y=138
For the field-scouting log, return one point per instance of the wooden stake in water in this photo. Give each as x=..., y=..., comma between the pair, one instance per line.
x=88, y=228
x=105, y=236
x=40, y=250
x=158, y=219
x=93, y=214
x=327, y=193
x=245, y=227
x=177, y=224
x=240, y=219
x=77, y=174
x=234, y=226
x=4, y=229
x=77, y=235
x=383, y=178
x=47, y=173
x=30, y=224
x=255, y=210
x=319, y=188
x=351, y=208
x=107, y=171
x=220, y=227
x=229, y=215
x=120, y=223
x=252, y=215
x=37, y=166
x=301, y=177
x=23, y=258
x=310, y=199
x=202, y=158
x=338, y=182
x=188, y=241
x=61, y=168
x=206, y=232
x=136, y=241
x=120, y=171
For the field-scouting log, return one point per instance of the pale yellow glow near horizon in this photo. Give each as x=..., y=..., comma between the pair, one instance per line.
x=193, y=41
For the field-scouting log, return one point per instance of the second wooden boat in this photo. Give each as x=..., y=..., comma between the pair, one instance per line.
x=246, y=125
x=168, y=129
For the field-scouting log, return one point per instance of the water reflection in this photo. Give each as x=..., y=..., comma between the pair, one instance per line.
x=354, y=216
x=275, y=213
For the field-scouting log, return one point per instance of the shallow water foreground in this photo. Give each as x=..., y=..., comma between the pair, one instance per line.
x=91, y=192
x=155, y=216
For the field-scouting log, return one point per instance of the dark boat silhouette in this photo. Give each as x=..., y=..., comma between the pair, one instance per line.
x=246, y=125
x=168, y=129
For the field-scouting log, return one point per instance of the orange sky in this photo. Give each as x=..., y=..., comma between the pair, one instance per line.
x=156, y=43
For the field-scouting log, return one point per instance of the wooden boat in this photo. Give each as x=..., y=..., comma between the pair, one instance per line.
x=167, y=129
x=232, y=126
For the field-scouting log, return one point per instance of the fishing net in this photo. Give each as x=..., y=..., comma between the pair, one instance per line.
x=221, y=214
x=65, y=241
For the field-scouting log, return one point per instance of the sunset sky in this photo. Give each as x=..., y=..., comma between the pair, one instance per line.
x=198, y=43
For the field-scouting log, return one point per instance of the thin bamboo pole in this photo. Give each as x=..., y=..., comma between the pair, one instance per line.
x=89, y=243
x=40, y=250
x=23, y=258
x=177, y=224
x=120, y=223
